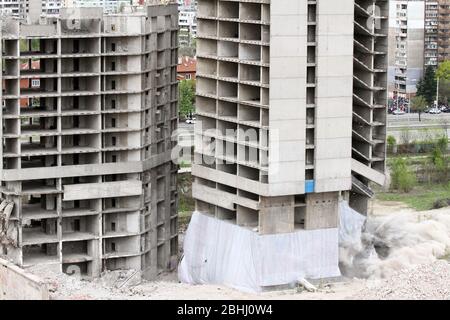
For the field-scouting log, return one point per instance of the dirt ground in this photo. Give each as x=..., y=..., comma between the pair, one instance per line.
x=426, y=281
x=167, y=287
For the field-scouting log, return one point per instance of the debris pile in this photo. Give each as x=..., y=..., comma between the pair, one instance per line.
x=424, y=282
x=111, y=285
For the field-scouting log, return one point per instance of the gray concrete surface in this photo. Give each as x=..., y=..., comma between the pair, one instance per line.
x=86, y=157
x=17, y=284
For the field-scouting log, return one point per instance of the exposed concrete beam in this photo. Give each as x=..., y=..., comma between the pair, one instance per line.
x=85, y=191
x=367, y=172
x=84, y=170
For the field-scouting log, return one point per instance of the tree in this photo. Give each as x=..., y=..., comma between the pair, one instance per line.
x=443, y=71
x=402, y=178
x=444, y=91
x=427, y=85
x=440, y=163
x=187, y=97
x=391, y=144
x=443, y=74
x=418, y=104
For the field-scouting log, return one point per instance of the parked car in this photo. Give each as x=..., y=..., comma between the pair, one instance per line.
x=398, y=112
x=434, y=111
x=191, y=120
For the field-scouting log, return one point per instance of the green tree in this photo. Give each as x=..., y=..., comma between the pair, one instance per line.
x=391, y=144
x=444, y=91
x=443, y=74
x=187, y=97
x=418, y=104
x=440, y=163
x=402, y=178
x=443, y=71
x=427, y=85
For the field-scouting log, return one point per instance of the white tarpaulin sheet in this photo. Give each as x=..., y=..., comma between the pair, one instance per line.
x=350, y=225
x=219, y=252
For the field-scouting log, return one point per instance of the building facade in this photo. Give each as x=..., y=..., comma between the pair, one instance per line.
x=437, y=32
x=21, y=8
x=51, y=7
x=109, y=6
x=16, y=8
x=87, y=181
x=406, y=50
x=430, y=34
x=188, y=26
x=291, y=113
x=187, y=68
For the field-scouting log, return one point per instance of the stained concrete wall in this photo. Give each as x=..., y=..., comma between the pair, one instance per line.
x=17, y=284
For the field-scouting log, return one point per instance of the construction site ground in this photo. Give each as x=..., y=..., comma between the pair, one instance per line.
x=429, y=280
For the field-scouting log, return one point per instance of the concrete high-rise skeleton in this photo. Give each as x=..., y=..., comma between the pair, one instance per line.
x=89, y=106
x=291, y=110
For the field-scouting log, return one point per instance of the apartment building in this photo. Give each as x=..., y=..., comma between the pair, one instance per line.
x=437, y=32
x=406, y=50
x=430, y=34
x=21, y=8
x=17, y=8
x=187, y=20
x=443, y=35
x=51, y=7
x=291, y=113
x=87, y=181
x=109, y=6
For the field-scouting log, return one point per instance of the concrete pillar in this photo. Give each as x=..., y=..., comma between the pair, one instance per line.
x=322, y=210
x=276, y=215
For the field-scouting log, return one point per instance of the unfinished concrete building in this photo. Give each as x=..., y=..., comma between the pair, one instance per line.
x=369, y=100
x=291, y=105
x=89, y=106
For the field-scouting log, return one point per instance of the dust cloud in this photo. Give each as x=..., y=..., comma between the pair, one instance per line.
x=379, y=246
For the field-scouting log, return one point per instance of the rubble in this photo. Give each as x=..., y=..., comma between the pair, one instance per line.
x=424, y=282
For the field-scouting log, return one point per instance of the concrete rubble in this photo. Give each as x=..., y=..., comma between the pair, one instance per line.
x=426, y=281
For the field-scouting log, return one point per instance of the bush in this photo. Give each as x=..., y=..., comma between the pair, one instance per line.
x=442, y=144
x=391, y=143
x=441, y=203
x=402, y=179
x=440, y=164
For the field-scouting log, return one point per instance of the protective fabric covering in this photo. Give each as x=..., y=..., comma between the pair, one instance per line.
x=350, y=225
x=219, y=252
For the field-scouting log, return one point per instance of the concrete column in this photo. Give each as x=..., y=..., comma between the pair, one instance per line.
x=321, y=210
x=276, y=215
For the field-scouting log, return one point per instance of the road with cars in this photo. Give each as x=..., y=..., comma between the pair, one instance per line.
x=397, y=125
